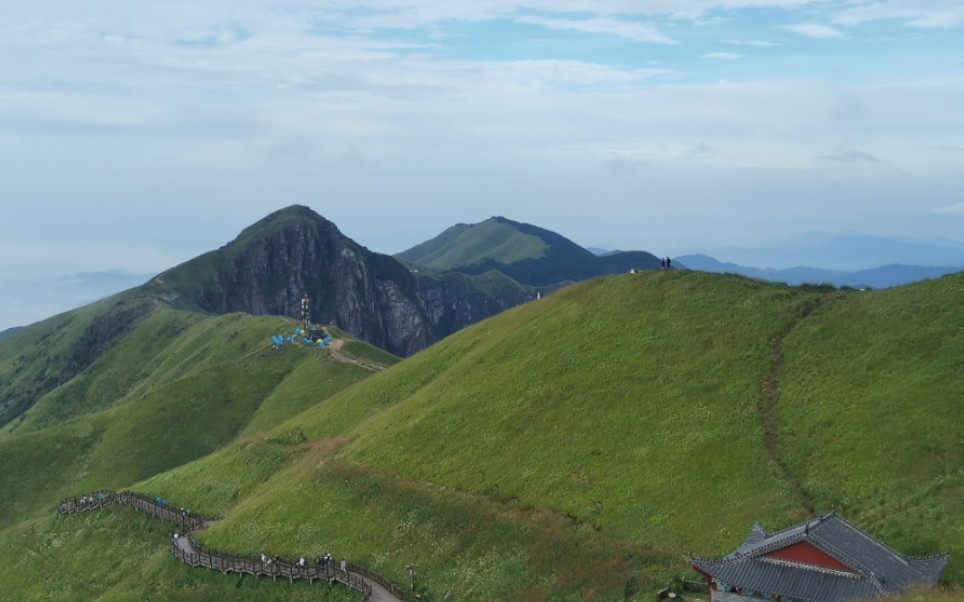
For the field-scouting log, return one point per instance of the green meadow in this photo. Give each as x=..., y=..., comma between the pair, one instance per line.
x=574, y=448
x=464, y=245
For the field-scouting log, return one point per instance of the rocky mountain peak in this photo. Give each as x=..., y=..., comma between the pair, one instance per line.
x=295, y=252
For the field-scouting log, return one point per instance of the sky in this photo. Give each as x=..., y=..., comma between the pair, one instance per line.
x=135, y=135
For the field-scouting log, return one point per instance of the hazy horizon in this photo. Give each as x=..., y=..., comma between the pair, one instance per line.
x=136, y=136
x=31, y=299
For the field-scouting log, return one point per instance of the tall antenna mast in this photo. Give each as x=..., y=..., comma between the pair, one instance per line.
x=305, y=306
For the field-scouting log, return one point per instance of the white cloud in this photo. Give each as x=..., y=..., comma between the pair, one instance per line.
x=853, y=156
x=209, y=115
x=760, y=43
x=408, y=14
x=815, y=30
x=638, y=32
x=955, y=209
x=561, y=73
x=721, y=56
x=917, y=13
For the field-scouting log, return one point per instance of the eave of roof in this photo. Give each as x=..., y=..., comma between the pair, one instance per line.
x=878, y=567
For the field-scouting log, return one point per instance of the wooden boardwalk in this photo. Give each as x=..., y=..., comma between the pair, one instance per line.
x=373, y=586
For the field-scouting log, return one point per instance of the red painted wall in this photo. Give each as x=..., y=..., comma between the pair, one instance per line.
x=806, y=553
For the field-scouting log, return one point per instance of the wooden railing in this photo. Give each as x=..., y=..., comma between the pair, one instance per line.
x=398, y=592
x=100, y=499
x=355, y=576
x=271, y=567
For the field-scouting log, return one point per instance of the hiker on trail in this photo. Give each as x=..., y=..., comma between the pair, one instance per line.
x=301, y=562
x=176, y=538
x=669, y=263
x=344, y=566
x=662, y=263
x=264, y=559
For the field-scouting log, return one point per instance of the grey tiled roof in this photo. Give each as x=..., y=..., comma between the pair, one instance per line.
x=877, y=569
x=757, y=534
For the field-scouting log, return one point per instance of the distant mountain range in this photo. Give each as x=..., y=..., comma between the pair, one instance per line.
x=847, y=253
x=880, y=277
x=401, y=304
x=466, y=273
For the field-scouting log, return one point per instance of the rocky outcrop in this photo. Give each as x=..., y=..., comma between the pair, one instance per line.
x=295, y=252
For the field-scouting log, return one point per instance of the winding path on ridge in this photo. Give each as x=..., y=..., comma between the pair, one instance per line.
x=373, y=587
x=771, y=399
x=335, y=349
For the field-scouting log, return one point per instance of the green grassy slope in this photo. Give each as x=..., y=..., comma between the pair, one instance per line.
x=120, y=554
x=525, y=253
x=493, y=239
x=37, y=359
x=113, y=376
x=155, y=402
x=603, y=396
x=872, y=413
x=434, y=246
x=546, y=450
x=577, y=447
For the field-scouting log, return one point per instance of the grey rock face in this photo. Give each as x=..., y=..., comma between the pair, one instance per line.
x=295, y=252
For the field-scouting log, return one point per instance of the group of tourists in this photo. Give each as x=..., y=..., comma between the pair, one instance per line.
x=665, y=263
x=324, y=563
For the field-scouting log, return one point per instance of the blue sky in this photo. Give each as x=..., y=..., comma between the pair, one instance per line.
x=135, y=135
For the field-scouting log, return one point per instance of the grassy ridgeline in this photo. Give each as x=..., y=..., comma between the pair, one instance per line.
x=872, y=414
x=578, y=446
x=463, y=244
x=588, y=440
x=574, y=445
x=156, y=402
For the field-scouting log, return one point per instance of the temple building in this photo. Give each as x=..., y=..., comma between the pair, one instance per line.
x=825, y=559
